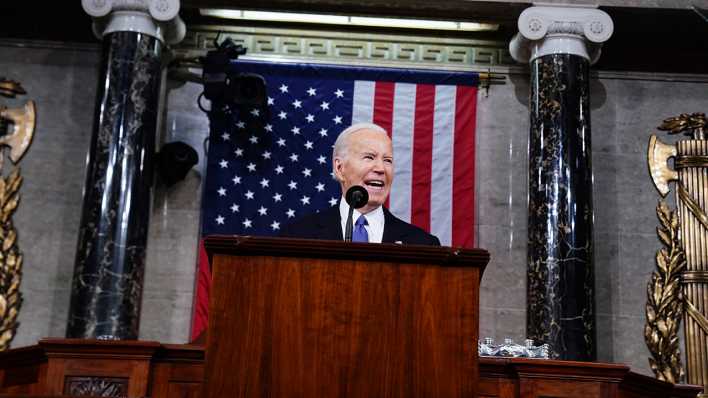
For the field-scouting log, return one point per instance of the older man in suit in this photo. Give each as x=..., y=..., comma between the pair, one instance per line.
x=363, y=155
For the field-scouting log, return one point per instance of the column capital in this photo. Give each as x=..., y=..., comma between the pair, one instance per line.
x=560, y=29
x=157, y=18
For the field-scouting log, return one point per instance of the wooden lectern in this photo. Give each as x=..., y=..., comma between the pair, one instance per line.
x=306, y=318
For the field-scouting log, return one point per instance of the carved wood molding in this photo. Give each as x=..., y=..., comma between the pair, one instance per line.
x=310, y=248
x=96, y=386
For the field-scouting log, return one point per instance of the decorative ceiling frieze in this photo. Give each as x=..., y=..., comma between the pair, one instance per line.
x=334, y=46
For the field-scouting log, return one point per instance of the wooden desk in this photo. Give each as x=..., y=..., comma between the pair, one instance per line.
x=177, y=371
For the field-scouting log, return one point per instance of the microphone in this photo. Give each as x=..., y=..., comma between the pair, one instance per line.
x=357, y=197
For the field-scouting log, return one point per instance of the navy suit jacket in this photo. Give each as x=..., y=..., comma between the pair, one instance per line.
x=327, y=225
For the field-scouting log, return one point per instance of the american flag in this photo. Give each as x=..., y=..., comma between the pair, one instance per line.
x=267, y=167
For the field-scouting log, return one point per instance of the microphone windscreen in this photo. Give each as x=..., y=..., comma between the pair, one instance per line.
x=357, y=196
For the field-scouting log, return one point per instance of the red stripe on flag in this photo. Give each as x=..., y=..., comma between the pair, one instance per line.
x=463, y=167
x=383, y=108
x=383, y=105
x=422, y=155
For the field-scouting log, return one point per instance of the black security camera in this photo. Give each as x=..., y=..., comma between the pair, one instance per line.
x=174, y=162
x=221, y=85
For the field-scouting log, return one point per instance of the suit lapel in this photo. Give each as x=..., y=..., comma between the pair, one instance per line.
x=330, y=224
x=393, y=231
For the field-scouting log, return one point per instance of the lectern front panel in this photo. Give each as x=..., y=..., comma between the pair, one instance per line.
x=318, y=327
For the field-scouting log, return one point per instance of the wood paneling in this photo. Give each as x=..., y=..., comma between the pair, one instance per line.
x=177, y=371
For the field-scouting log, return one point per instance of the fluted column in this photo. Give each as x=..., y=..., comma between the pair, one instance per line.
x=561, y=43
x=110, y=259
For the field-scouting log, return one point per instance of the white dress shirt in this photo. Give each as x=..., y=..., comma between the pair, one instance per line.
x=374, y=218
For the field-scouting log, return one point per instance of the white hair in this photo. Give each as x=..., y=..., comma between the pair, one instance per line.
x=341, y=145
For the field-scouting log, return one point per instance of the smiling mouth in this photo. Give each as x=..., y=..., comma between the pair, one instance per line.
x=374, y=185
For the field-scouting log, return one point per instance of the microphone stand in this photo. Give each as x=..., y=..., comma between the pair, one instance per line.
x=349, y=227
x=356, y=197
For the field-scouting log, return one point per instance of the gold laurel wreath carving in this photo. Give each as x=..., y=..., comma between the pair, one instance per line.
x=688, y=123
x=10, y=259
x=665, y=300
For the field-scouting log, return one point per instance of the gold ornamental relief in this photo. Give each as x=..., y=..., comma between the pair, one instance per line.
x=663, y=309
x=678, y=290
x=16, y=132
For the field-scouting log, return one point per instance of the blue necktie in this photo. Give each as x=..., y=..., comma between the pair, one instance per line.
x=359, y=234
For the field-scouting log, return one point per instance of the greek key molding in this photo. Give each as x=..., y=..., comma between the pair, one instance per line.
x=359, y=48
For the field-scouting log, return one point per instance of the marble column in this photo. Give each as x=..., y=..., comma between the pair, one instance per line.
x=560, y=43
x=110, y=259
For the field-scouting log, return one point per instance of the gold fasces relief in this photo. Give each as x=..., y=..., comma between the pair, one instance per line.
x=17, y=129
x=664, y=301
x=22, y=131
x=659, y=154
x=679, y=287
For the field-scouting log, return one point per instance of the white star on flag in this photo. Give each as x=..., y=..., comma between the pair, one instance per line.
x=224, y=164
x=321, y=160
x=226, y=136
x=253, y=139
x=251, y=167
x=222, y=191
x=305, y=200
x=266, y=155
x=263, y=211
x=279, y=169
x=234, y=208
x=294, y=157
x=238, y=152
x=268, y=127
x=339, y=93
x=310, y=118
x=292, y=185
x=337, y=119
x=297, y=104
x=270, y=101
x=283, y=115
x=241, y=124
x=236, y=180
x=281, y=142
x=275, y=225
x=323, y=132
x=247, y=223
x=290, y=213
x=220, y=220
x=311, y=92
x=320, y=187
x=249, y=195
x=283, y=89
x=278, y=197
x=255, y=112
x=333, y=201
x=324, y=105
x=295, y=130
x=308, y=145
x=264, y=183
x=307, y=172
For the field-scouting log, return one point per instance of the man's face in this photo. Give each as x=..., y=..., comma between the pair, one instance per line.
x=369, y=163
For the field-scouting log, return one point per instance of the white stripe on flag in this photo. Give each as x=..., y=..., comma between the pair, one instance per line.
x=441, y=176
x=363, y=107
x=402, y=136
